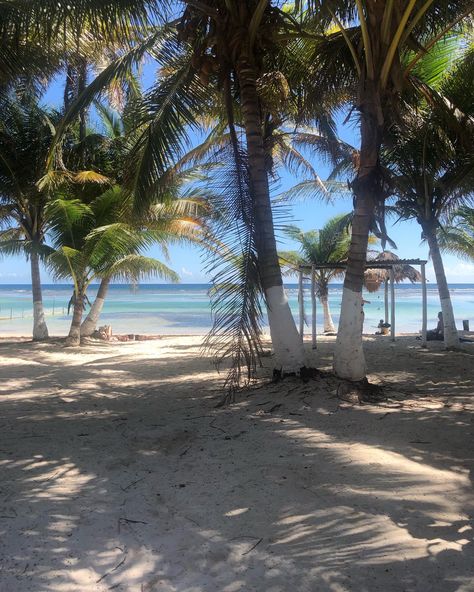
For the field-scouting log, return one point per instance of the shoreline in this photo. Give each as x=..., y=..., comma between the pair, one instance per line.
x=185, y=309
x=307, y=337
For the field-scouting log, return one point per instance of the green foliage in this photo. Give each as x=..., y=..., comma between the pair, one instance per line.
x=26, y=133
x=92, y=241
x=330, y=244
x=457, y=236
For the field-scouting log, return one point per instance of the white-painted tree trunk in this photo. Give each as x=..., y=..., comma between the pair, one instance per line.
x=349, y=360
x=451, y=337
x=286, y=341
x=328, y=322
x=40, y=330
x=89, y=324
x=74, y=336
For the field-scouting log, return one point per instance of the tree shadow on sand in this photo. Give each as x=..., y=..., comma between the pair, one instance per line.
x=120, y=474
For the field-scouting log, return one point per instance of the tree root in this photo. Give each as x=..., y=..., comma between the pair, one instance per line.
x=359, y=392
x=306, y=374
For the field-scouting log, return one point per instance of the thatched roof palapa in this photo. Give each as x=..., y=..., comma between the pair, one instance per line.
x=375, y=277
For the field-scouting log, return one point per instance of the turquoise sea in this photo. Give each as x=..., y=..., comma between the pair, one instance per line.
x=185, y=308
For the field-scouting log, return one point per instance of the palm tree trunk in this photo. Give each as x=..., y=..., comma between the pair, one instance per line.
x=328, y=322
x=81, y=86
x=40, y=330
x=451, y=337
x=89, y=324
x=287, y=343
x=349, y=360
x=74, y=337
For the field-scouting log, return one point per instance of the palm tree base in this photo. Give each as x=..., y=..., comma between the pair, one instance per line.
x=40, y=329
x=72, y=341
x=41, y=335
x=349, y=359
x=287, y=343
x=359, y=392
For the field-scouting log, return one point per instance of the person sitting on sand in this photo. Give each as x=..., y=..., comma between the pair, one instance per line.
x=384, y=327
x=438, y=333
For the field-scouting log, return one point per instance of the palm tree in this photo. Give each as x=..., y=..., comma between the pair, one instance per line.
x=428, y=185
x=90, y=242
x=377, y=61
x=207, y=69
x=26, y=133
x=457, y=237
x=328, y=245
x=181, y=216
x=184, y=220
x=432, y=169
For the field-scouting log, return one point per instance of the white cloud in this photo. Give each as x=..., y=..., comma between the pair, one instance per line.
x=186, y=272
x=11, y=275
x=459, y=273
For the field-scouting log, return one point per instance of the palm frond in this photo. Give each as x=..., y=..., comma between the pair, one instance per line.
x=117, y=69
x=44, y=21
x=236, y=294
x=167, y=113
x=91, y=177
x=458, y=236
x=135, y=267
x=64, y=215
x=290, y=261
x=311, y=189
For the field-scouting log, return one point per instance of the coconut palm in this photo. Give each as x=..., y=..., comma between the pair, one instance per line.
x=26, y=133
x=433, y=169
x=431, y=179
x=378, y=60
x=330, y=244
x=89, y=243
x=183, y=221
x=182, y=215
x=211, y=72
x=457, y=236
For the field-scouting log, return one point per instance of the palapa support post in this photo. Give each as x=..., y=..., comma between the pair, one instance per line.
x=424, y=321
x=395, y=272
x=313, y=306
x=392, y=302
x=301, y=303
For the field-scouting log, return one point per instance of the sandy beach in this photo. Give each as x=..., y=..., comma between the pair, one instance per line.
x=118, y=473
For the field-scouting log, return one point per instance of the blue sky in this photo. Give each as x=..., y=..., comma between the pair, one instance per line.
x=311, y=214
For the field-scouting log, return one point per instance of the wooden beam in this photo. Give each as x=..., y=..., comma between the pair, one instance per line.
x=313, y=307
x=424, y=295
x=301, y=304
x=392, y=302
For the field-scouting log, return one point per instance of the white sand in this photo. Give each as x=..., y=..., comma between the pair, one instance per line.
x=117, y=473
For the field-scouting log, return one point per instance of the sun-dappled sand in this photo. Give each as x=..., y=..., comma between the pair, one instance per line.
x=118, y=473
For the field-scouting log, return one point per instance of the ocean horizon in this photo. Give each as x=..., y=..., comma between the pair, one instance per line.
x=174, y=309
